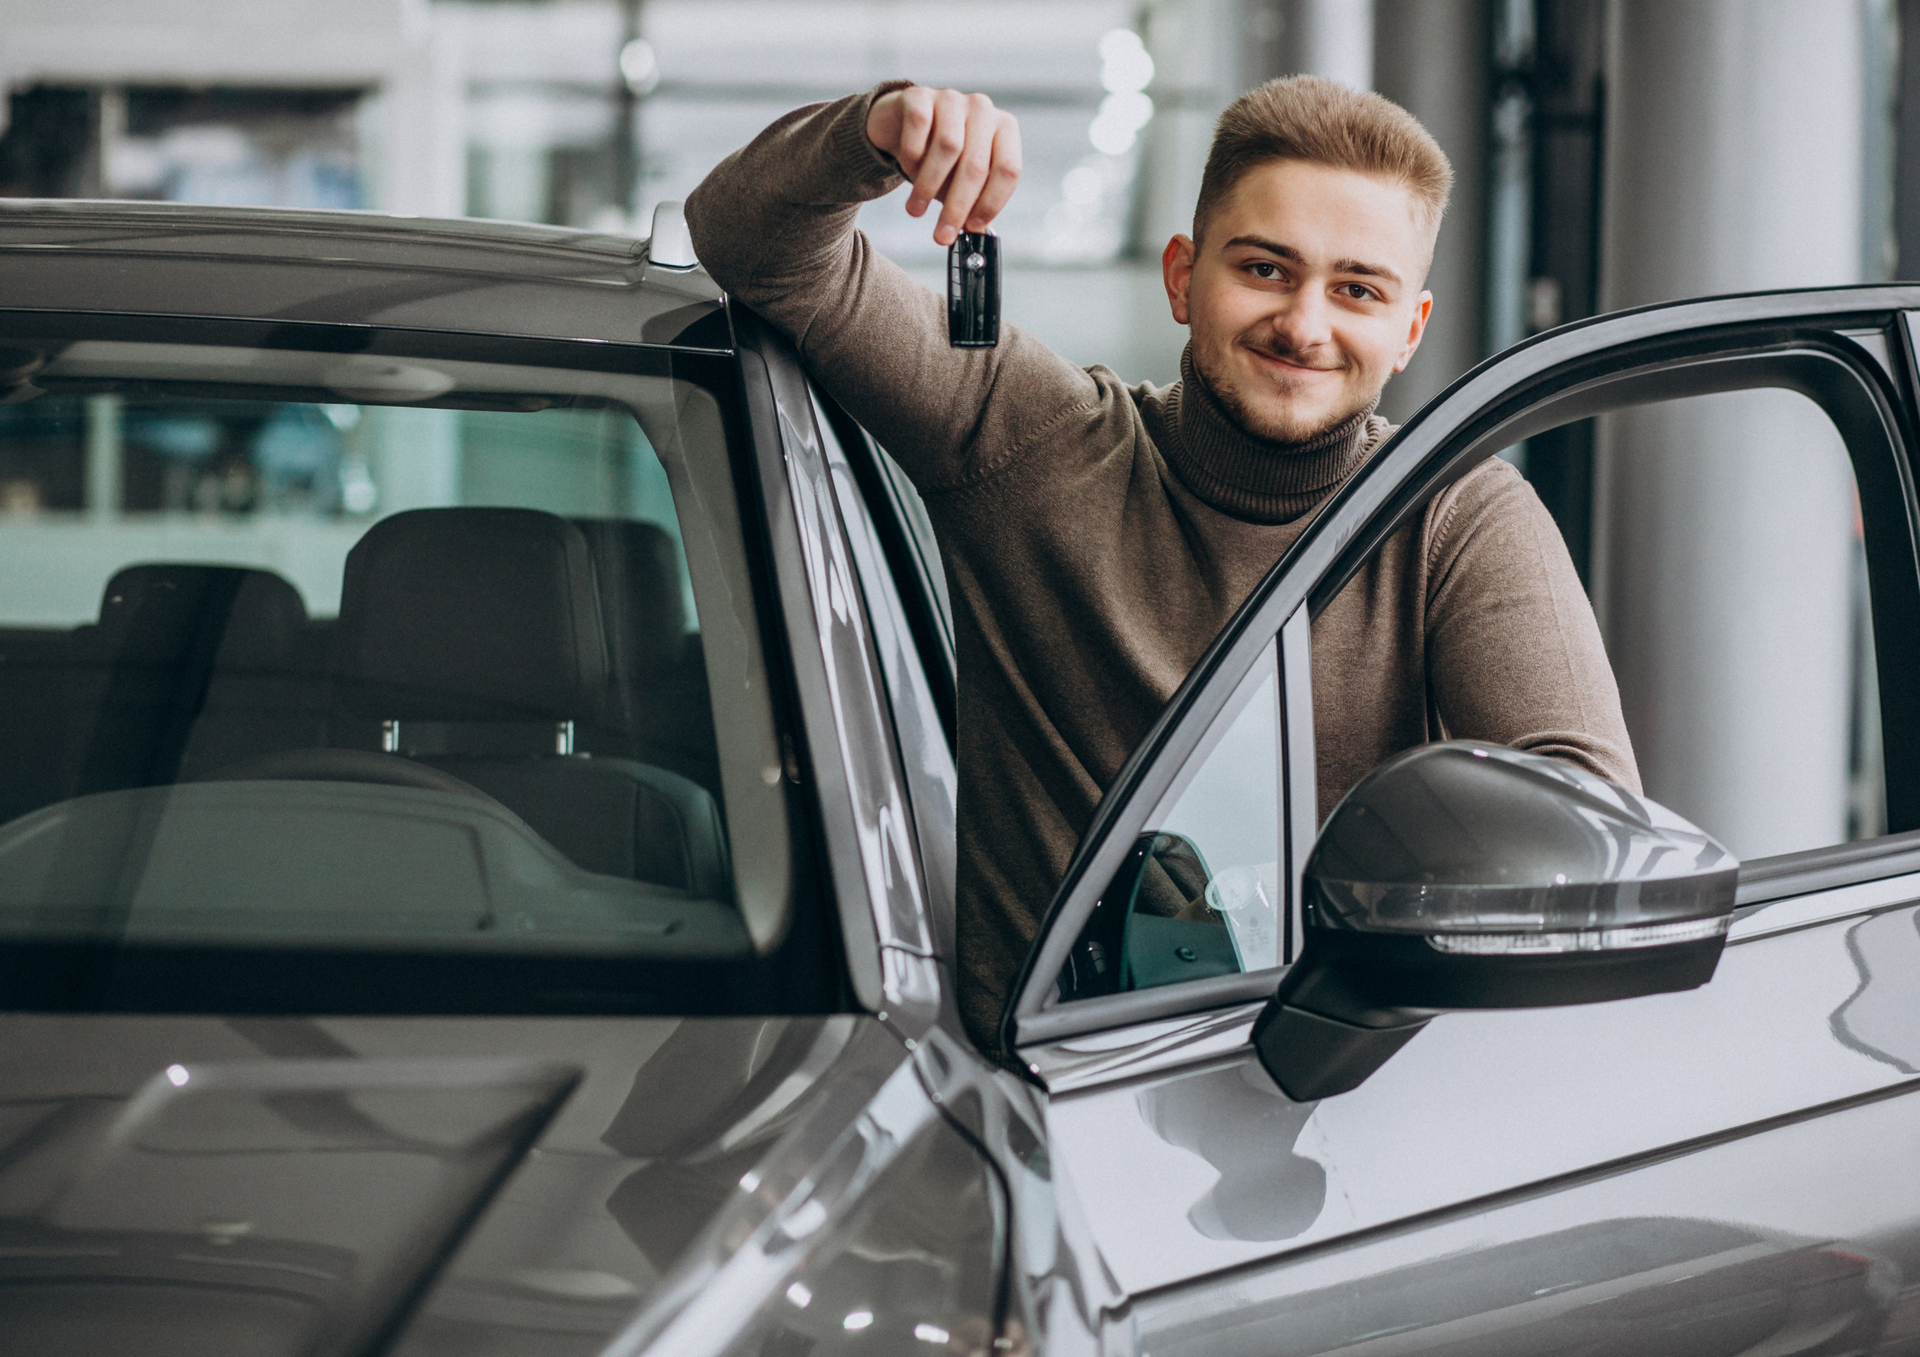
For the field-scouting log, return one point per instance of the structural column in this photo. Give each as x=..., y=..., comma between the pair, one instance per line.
x=1723, y=526
x=1331, y=38
x=1431, y=57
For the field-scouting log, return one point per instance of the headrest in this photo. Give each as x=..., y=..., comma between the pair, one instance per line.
x=470, y=615
x=642, y=606
x=226, y=616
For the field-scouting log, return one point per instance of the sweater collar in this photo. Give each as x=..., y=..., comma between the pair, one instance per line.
x=1252, y=478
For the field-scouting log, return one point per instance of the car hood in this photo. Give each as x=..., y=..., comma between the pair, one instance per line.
x=419, y=1185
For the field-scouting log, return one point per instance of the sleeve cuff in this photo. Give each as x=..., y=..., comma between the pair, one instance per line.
x=875, y=168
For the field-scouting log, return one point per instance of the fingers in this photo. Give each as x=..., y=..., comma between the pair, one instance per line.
x=973, y=171
x=1003, y=175
x=899, y=123
x=945, y=141
x=956, y=149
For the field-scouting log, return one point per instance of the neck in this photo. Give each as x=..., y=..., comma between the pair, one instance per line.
x=1263, y=480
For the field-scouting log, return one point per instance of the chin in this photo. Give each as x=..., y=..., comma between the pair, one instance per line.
x=1273, y=415
x=1283, y=421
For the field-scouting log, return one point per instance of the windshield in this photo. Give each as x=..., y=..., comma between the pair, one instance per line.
x=350, y=682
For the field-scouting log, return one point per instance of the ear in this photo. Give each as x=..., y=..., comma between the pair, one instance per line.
x=1176, y=271
x=1422, y=308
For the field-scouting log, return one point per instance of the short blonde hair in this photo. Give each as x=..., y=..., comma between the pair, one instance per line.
x=1308, y=118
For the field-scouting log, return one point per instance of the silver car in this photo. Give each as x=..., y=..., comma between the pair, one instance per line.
x=477, y=848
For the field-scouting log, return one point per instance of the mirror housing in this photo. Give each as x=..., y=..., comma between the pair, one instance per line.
x=1465, y=875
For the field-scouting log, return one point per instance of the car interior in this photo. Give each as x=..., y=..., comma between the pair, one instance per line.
x=509, y=654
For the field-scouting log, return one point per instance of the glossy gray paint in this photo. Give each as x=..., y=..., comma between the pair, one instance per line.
x=1463, y=838
x=330, y=1167
x=926, y=757
x=349, y=268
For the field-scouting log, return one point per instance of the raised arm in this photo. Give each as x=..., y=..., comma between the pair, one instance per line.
x=774, y=226
x=1513, y=652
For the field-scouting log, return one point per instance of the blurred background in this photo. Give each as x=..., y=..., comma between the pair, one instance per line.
x=1609, y=153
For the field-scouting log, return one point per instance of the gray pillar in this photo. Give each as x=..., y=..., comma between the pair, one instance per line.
x=1723, y=525
x=1431, y=58
x=1333, y=38
x=1195, y=45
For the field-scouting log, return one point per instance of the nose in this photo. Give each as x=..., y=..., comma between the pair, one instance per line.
x=1304, y=321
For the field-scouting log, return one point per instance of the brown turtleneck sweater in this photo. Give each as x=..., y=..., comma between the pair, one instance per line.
x=1096, y=537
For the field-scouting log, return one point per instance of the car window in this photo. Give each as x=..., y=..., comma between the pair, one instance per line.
x=471, y=681
x=1202, y=894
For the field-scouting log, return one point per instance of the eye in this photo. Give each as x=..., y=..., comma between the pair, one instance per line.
x=1358, y=292
x=1264, y=268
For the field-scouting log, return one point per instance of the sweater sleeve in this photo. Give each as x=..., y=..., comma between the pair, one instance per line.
x=1513, y=652
x=774, y=225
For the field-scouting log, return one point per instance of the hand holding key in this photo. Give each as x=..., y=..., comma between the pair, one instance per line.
x=958, y=150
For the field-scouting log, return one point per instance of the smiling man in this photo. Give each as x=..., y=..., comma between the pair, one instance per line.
x=1096, y=536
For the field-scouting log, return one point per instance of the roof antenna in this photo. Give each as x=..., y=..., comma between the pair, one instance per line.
x=671, y=244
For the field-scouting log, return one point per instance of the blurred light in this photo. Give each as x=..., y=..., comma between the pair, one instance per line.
x=1120, y=119
x=177, y=1075
x=1082, y=186
x=800, y=1297
x=931, y=1333
x=1125, y=67
x=639, y=67
x=1088, y=224
x=858, y=1320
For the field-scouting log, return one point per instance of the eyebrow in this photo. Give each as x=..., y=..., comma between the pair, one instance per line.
x=1292, y=255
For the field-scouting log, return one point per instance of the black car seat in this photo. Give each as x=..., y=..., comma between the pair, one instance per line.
x=657, y=709
x=471, y=639
x=188, y=668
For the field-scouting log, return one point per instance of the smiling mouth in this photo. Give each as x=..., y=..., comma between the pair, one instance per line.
x=1289, y=364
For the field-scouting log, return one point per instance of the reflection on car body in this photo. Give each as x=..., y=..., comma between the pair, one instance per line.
x=476, y=855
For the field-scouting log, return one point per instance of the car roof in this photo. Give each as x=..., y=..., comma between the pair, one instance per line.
x=350, y=268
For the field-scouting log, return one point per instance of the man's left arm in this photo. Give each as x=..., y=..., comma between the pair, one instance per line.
x=1514, y=654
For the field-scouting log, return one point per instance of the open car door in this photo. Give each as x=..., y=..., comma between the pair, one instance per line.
x=1727, y=1166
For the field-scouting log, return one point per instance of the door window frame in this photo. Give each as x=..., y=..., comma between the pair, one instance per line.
x=912, y=555
x=1809, y=342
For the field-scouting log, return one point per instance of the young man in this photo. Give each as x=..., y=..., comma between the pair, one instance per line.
x=1096, y=536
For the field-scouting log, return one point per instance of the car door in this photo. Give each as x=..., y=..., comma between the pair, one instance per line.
x=1734, y=1168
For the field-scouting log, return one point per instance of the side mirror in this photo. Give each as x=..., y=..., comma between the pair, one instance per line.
x=1462, y=875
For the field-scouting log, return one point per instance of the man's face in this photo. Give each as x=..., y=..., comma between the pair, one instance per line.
x=1304, y=297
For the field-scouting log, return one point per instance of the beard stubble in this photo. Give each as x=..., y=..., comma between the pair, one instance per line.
x=1269, y=428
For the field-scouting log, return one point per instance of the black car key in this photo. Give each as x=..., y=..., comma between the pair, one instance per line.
x=973, y=290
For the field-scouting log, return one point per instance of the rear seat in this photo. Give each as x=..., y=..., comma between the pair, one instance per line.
x=46, y=694
x=187, y=668
x=203, y=665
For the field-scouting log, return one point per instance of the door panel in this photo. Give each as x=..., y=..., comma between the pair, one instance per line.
x=1222, y=1170
x=1651, y=1262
